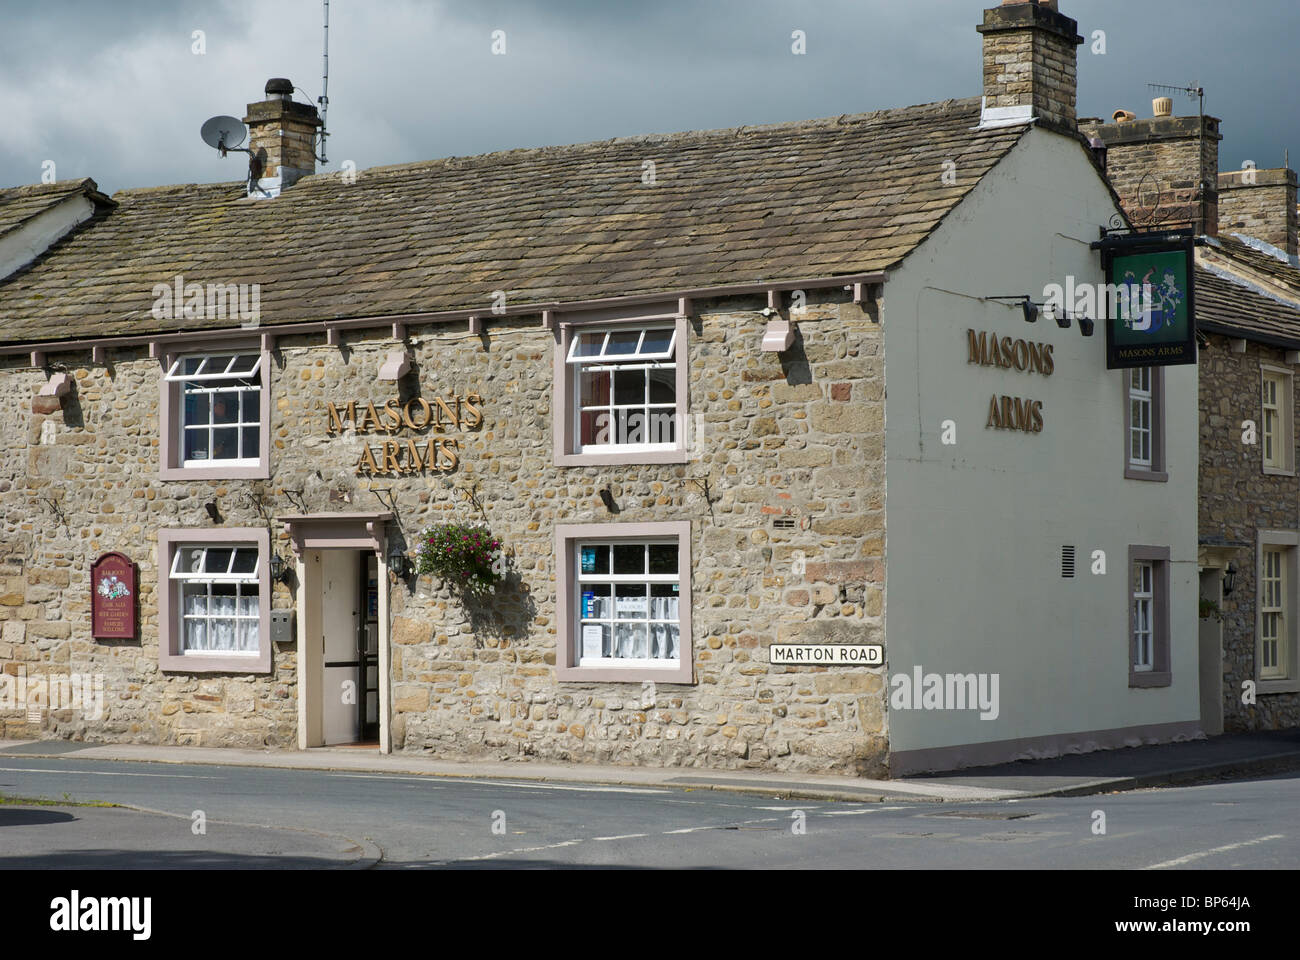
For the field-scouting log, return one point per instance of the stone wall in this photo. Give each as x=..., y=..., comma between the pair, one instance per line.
x=1165, y=170
x=1264, y=209
x=1236, y=500
x=1030, y=59
x=796, y=436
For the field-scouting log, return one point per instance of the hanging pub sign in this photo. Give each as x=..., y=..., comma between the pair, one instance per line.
x=1150, y=299
x=112, y=598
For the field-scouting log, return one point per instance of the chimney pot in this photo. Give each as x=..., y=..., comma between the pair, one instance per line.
x=1162, y=107
x=279, y=86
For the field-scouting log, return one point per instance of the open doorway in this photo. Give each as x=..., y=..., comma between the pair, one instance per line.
x=349, y=600
x=343, y=629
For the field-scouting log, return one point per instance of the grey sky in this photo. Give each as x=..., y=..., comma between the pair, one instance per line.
x=112, y=90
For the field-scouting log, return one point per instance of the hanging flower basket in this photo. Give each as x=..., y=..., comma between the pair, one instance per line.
x=465, y=557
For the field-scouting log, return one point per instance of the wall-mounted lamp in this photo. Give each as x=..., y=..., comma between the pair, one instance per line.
x=1229, y=578
x=1086, y=326
x=399, y=563
x=395, y=366
x=778, y=337
x=213, y=511
x=279, y=569
x=1027, y=306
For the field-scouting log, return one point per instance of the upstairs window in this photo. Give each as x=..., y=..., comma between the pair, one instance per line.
x=620, y=392
x=216, y=419
x=1276, y=434
x=626, y=389
x=1144, y=424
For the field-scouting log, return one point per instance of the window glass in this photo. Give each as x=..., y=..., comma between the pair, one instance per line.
x=628, y=602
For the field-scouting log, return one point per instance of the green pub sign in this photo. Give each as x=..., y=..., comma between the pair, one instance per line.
x=1150, y=305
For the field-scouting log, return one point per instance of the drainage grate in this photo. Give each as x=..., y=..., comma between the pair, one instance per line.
x=1067, y=561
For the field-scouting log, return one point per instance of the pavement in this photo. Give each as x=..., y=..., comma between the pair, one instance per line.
x=1102, y=771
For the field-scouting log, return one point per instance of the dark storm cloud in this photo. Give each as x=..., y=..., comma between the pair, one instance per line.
x=113, y=90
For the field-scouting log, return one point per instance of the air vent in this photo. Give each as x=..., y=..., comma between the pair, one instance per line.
x=1067, y=561
x=783, y=523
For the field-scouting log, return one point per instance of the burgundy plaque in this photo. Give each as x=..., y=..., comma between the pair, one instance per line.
x=112, y=597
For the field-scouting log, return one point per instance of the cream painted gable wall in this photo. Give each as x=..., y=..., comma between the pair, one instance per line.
x=975, y=529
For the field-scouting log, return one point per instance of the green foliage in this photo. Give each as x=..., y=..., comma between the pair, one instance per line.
x=467, y=557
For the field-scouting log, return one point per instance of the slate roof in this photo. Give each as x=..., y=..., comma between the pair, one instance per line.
x=1243, y=255
x=789, y=201
x=1226, y=307
x=20, y=204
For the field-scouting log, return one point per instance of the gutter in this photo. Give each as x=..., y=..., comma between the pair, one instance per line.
x=551, y=314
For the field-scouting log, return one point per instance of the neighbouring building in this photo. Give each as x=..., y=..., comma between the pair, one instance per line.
x=735, y=402
x=1248, y=318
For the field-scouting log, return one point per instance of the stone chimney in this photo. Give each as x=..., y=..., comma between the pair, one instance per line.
x=1030, y=61
x=1165, y=170
x=1260, y=204
x=282, y=136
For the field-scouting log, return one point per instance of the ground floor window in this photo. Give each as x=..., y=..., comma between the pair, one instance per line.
x=1148, y=603
x=623, y=592
x=218, y=590
x=1275, y=627
x=214, y=600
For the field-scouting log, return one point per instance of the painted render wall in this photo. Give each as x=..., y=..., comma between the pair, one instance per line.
x=976, y=528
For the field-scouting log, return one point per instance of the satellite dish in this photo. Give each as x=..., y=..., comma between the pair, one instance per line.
x=223, y=133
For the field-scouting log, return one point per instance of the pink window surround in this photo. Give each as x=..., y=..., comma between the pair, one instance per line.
x=170, y=630
x=566, y=602
x=564, y=398
x=170, y=445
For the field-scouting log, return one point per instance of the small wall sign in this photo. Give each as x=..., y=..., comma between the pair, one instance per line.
x=112, y=598
x=818, y=654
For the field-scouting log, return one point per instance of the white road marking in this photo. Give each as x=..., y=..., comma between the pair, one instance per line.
x=626, y=836
x=1209, y=853
x=108, y=773
x=506, y=853
x=786, y=809
x=858, y=813
x=559, y=786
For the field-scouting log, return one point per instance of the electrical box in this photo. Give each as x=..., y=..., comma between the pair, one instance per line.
x=282, y=626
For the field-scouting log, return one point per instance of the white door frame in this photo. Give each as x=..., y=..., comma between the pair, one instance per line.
x=309, y=534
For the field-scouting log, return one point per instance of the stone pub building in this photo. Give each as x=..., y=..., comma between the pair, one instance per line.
x=714, y=416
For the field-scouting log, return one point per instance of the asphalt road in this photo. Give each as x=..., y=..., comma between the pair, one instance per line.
x=258, y=817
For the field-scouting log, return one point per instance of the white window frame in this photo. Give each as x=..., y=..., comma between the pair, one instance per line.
x=566, y=414
x=607, y=361
x=1284, y=677
x=1144, y=598
x=1280, y=440
x=570, y=664
x=1273, y=612
x=1150, y=650
x=241, y=581
x=172, y=543
x=1150, y=399
x=176, y=385
x=1143, y=399
x=613, y=620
